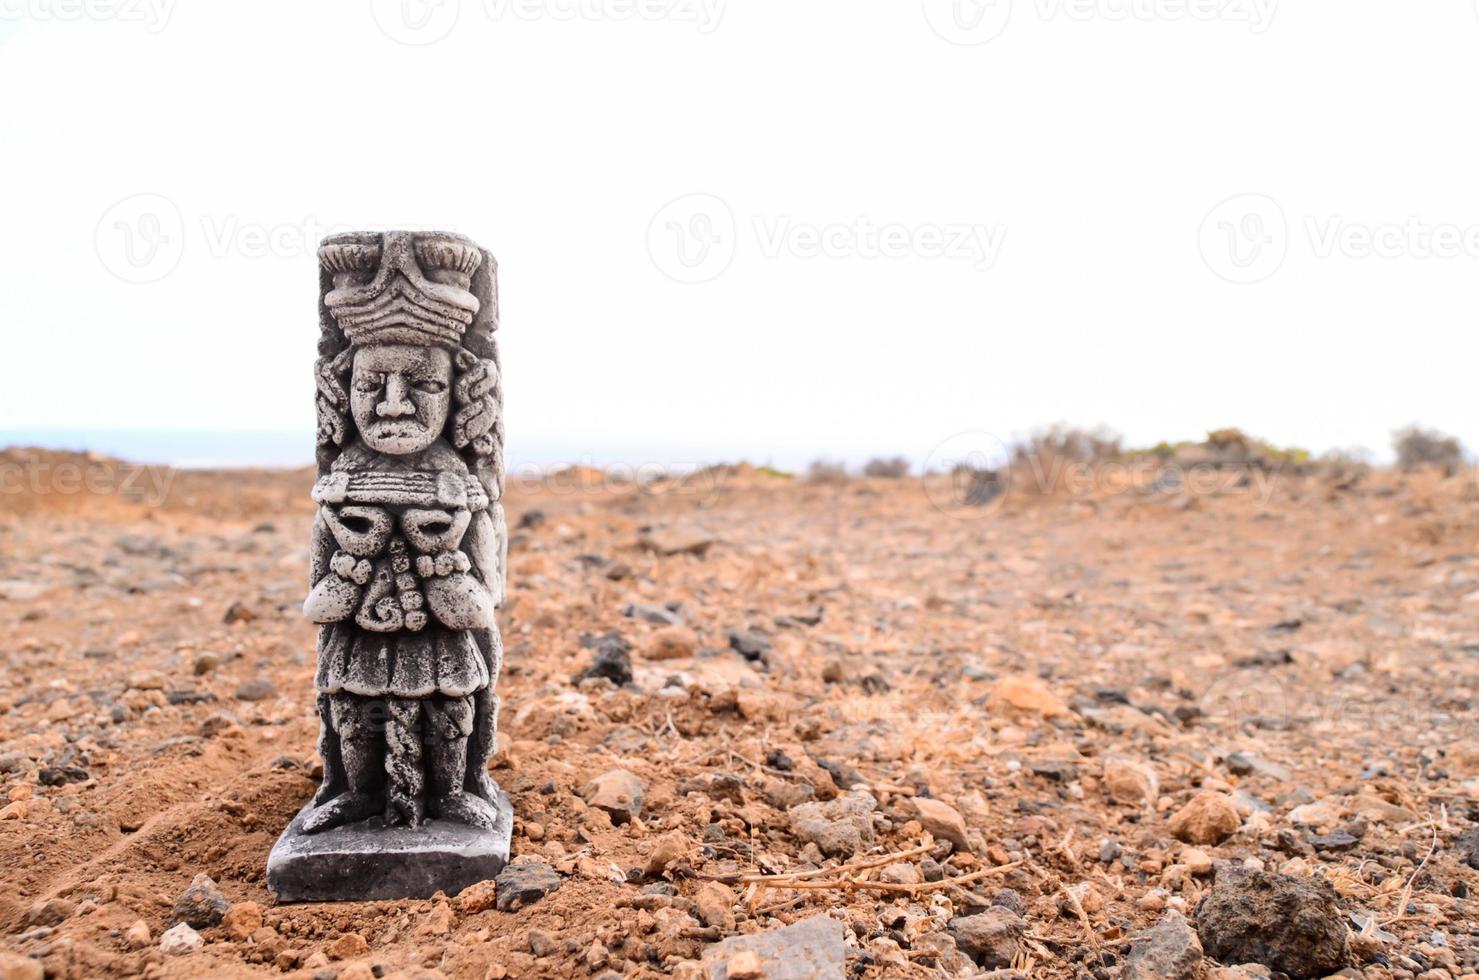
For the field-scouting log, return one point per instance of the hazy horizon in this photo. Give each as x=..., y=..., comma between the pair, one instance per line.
x=286, y=448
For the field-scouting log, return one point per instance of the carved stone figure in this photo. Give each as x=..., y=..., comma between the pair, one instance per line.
x=407, y=563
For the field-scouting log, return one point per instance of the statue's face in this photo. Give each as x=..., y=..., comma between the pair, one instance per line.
x=400, y=396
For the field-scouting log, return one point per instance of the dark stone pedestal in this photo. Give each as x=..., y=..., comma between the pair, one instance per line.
x=367, y=861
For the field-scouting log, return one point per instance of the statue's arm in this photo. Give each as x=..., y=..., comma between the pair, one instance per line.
x=320, y=549
x=337, y=578
x=482, y=548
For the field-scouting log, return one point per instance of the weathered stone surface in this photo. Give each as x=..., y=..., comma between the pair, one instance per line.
x=368, y=861
x=811, y=949
x=991, y=938
x=838, y=827
x=1290, y=925
x=1131, y=781
x=942, y=820
x=618, y=792
x=524, y=884
x=408, y=559
x=201, y=905
x=1026, y=695
x=178, y=940
x=1170, y=951
x=1209, y=817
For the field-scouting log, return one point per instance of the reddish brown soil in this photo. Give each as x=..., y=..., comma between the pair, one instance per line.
x=1331, y=633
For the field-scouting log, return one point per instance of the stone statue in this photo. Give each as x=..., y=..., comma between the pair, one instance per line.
x=407, y=562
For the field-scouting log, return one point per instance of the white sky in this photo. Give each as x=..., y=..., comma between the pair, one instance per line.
x=1070, y=170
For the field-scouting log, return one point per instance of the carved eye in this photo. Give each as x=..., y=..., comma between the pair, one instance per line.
x=435, y=528
x=431, y=386
x=368, y=385
x=357, y=524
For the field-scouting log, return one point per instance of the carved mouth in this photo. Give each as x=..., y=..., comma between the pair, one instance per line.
x=398, y=430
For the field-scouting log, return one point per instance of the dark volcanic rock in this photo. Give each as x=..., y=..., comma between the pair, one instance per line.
x=200, y=905
x=1170, y=951
x=750, y=644
x=991, y=938
x=524, y=884
x=613, y=660
x=1290, y=925
x=1468, y=848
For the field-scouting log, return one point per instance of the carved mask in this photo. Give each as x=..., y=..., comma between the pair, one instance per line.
x=400, y=396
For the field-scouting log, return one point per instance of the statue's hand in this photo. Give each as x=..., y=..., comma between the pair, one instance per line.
x=336, y=595
x=454, y=595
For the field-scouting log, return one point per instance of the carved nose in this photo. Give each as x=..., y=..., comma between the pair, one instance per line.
x=395, y=404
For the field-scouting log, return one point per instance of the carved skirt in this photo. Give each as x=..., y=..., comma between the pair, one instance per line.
x=401, y=664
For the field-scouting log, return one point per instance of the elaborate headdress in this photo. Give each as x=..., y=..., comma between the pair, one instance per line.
x=403, y=289
x=423, y=288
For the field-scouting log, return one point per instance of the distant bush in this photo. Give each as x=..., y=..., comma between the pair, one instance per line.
x=1345, y=467
x=1417, y=448
x=1066, y=442
x=826, y=471
x=1227, y=447
x=895, y=468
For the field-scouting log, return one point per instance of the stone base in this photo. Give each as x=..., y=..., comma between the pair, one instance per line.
x=367, y=861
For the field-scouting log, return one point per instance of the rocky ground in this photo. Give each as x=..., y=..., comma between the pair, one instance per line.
x=1130, y=731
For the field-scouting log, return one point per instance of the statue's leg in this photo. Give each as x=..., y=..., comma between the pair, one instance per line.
x=484, y=739
x=405, y=801
x=450, y=723
x=328, y=750
x=360, y=749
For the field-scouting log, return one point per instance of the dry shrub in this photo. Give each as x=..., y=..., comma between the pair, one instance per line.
x=895, y=468
x=1068, y=443
x=826, y=471
x=1418, y=448
x=1343, y=467
x=1040, y=462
